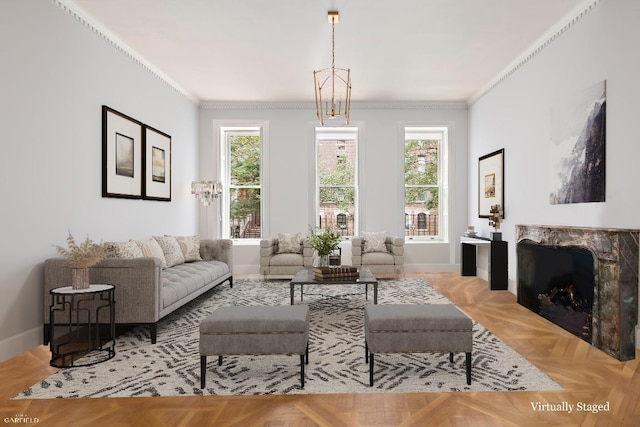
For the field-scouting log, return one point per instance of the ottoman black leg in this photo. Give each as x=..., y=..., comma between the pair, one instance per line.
x=451, y=357
x=371, y=370
x=302, y=370
x=219, y=360
x=306, y=354
x=366, y=352
x=203, y=370
x=468, y=368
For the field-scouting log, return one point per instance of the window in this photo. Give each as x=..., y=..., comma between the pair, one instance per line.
x=423, y=182
x=242, y=178
x=337, y=179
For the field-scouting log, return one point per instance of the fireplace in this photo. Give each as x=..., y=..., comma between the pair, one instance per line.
x=585, y=280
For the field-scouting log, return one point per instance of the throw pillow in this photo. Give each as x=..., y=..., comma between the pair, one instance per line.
x=190, y=246
x=151, y=248
x=123, y=250
x=288, y=243
x=171, y=249
x=374, y=241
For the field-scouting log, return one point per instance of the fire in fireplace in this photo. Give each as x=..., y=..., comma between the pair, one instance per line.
x=557, y=283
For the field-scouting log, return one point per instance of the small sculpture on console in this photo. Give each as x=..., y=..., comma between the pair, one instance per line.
x=494, y=221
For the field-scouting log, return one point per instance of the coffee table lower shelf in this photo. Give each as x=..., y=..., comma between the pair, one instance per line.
x=306, y=277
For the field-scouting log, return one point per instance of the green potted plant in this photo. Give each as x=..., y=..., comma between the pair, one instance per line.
x=80, y=258
x=324, y=241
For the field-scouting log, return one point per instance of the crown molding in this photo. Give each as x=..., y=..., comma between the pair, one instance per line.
x=310, y=105
x=543, y=42
x=85, y=19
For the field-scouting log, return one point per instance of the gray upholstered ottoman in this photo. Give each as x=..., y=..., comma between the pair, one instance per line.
x=409, y=328
x=252, y=330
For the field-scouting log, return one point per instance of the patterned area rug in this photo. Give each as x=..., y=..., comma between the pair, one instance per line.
x=336, y=353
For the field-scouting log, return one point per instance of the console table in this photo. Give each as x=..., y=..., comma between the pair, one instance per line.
x=498, y=270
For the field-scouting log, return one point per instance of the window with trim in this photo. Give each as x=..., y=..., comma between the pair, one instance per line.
x=424, y=182
x=337, y=179
x=242, y=180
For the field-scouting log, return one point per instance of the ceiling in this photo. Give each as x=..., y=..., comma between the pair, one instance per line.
x=266, y=50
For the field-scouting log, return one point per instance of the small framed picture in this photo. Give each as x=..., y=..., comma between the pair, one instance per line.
x=121, y=155
x=157, y=165
x=490, y=183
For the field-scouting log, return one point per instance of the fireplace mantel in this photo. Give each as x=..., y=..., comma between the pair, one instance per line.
x=615, y=253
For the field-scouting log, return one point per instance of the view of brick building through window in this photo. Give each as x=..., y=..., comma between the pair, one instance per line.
x=422, y=184
x=337, y=177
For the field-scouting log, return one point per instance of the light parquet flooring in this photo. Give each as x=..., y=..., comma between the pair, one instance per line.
x=586, y=374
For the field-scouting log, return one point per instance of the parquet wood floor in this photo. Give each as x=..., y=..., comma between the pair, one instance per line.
x=587, y=375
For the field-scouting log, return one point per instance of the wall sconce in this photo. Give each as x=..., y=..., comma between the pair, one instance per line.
x=206, y=191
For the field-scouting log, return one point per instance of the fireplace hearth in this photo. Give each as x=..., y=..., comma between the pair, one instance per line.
x=585, y=280
x=558, y=284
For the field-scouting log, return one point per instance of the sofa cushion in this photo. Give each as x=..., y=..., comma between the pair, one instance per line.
x=377, y=258
x=151, y=248
x=184, y=279
x=286, y=259
x=190, y=247
x=170, y=249
x=289, y=243
x=375, y=241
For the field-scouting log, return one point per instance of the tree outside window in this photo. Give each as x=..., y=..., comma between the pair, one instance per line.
x=422, y=183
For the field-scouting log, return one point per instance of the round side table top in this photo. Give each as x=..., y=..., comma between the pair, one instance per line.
x=92, y=288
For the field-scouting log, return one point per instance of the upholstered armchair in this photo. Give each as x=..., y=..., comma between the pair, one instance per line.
x=285, y=255
x=380, y=253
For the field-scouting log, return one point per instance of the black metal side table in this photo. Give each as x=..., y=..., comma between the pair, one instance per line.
x=76, y=335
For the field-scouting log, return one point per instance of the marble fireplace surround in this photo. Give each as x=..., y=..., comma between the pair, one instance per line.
x=615, y=258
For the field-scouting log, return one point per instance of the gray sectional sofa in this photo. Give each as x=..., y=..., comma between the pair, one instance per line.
x=145, y=292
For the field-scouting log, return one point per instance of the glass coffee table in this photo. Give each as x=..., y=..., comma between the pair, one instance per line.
x=306, y=277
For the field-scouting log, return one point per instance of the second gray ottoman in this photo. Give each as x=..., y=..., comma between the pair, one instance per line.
x=253, y=330
x=416, y=328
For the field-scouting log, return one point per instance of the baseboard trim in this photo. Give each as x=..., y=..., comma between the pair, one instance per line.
x=13, y=346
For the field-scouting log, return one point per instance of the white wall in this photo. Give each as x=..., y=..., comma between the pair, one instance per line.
x=56, y=74
x=291, y=143
x=515, y=116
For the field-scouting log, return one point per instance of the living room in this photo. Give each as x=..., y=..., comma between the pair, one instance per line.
x=59, y=71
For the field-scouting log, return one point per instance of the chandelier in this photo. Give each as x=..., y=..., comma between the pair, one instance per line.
x=206, y=191
x=333, y=86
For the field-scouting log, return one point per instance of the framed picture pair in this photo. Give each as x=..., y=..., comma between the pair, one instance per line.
x=136, y=159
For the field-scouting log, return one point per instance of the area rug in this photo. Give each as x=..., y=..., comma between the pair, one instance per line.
x=336, y=353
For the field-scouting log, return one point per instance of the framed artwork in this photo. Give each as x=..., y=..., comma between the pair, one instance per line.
x=121, y=155
x=490, y=183
x=578, y=147
x=157, y=165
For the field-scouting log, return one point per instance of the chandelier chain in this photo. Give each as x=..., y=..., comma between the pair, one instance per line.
x=333, y=42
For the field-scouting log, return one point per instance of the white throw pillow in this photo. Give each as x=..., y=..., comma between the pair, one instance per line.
x=123, y=250
x=190, y=246
x=374, y=241
x=151, y=248
x=171, y=249
x=288, y=243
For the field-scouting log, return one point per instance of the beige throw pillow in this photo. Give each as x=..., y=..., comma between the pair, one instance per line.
x=171, y=249
x=190, y=247
x=374, y=241
x=151, y=248
x=288, y=243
